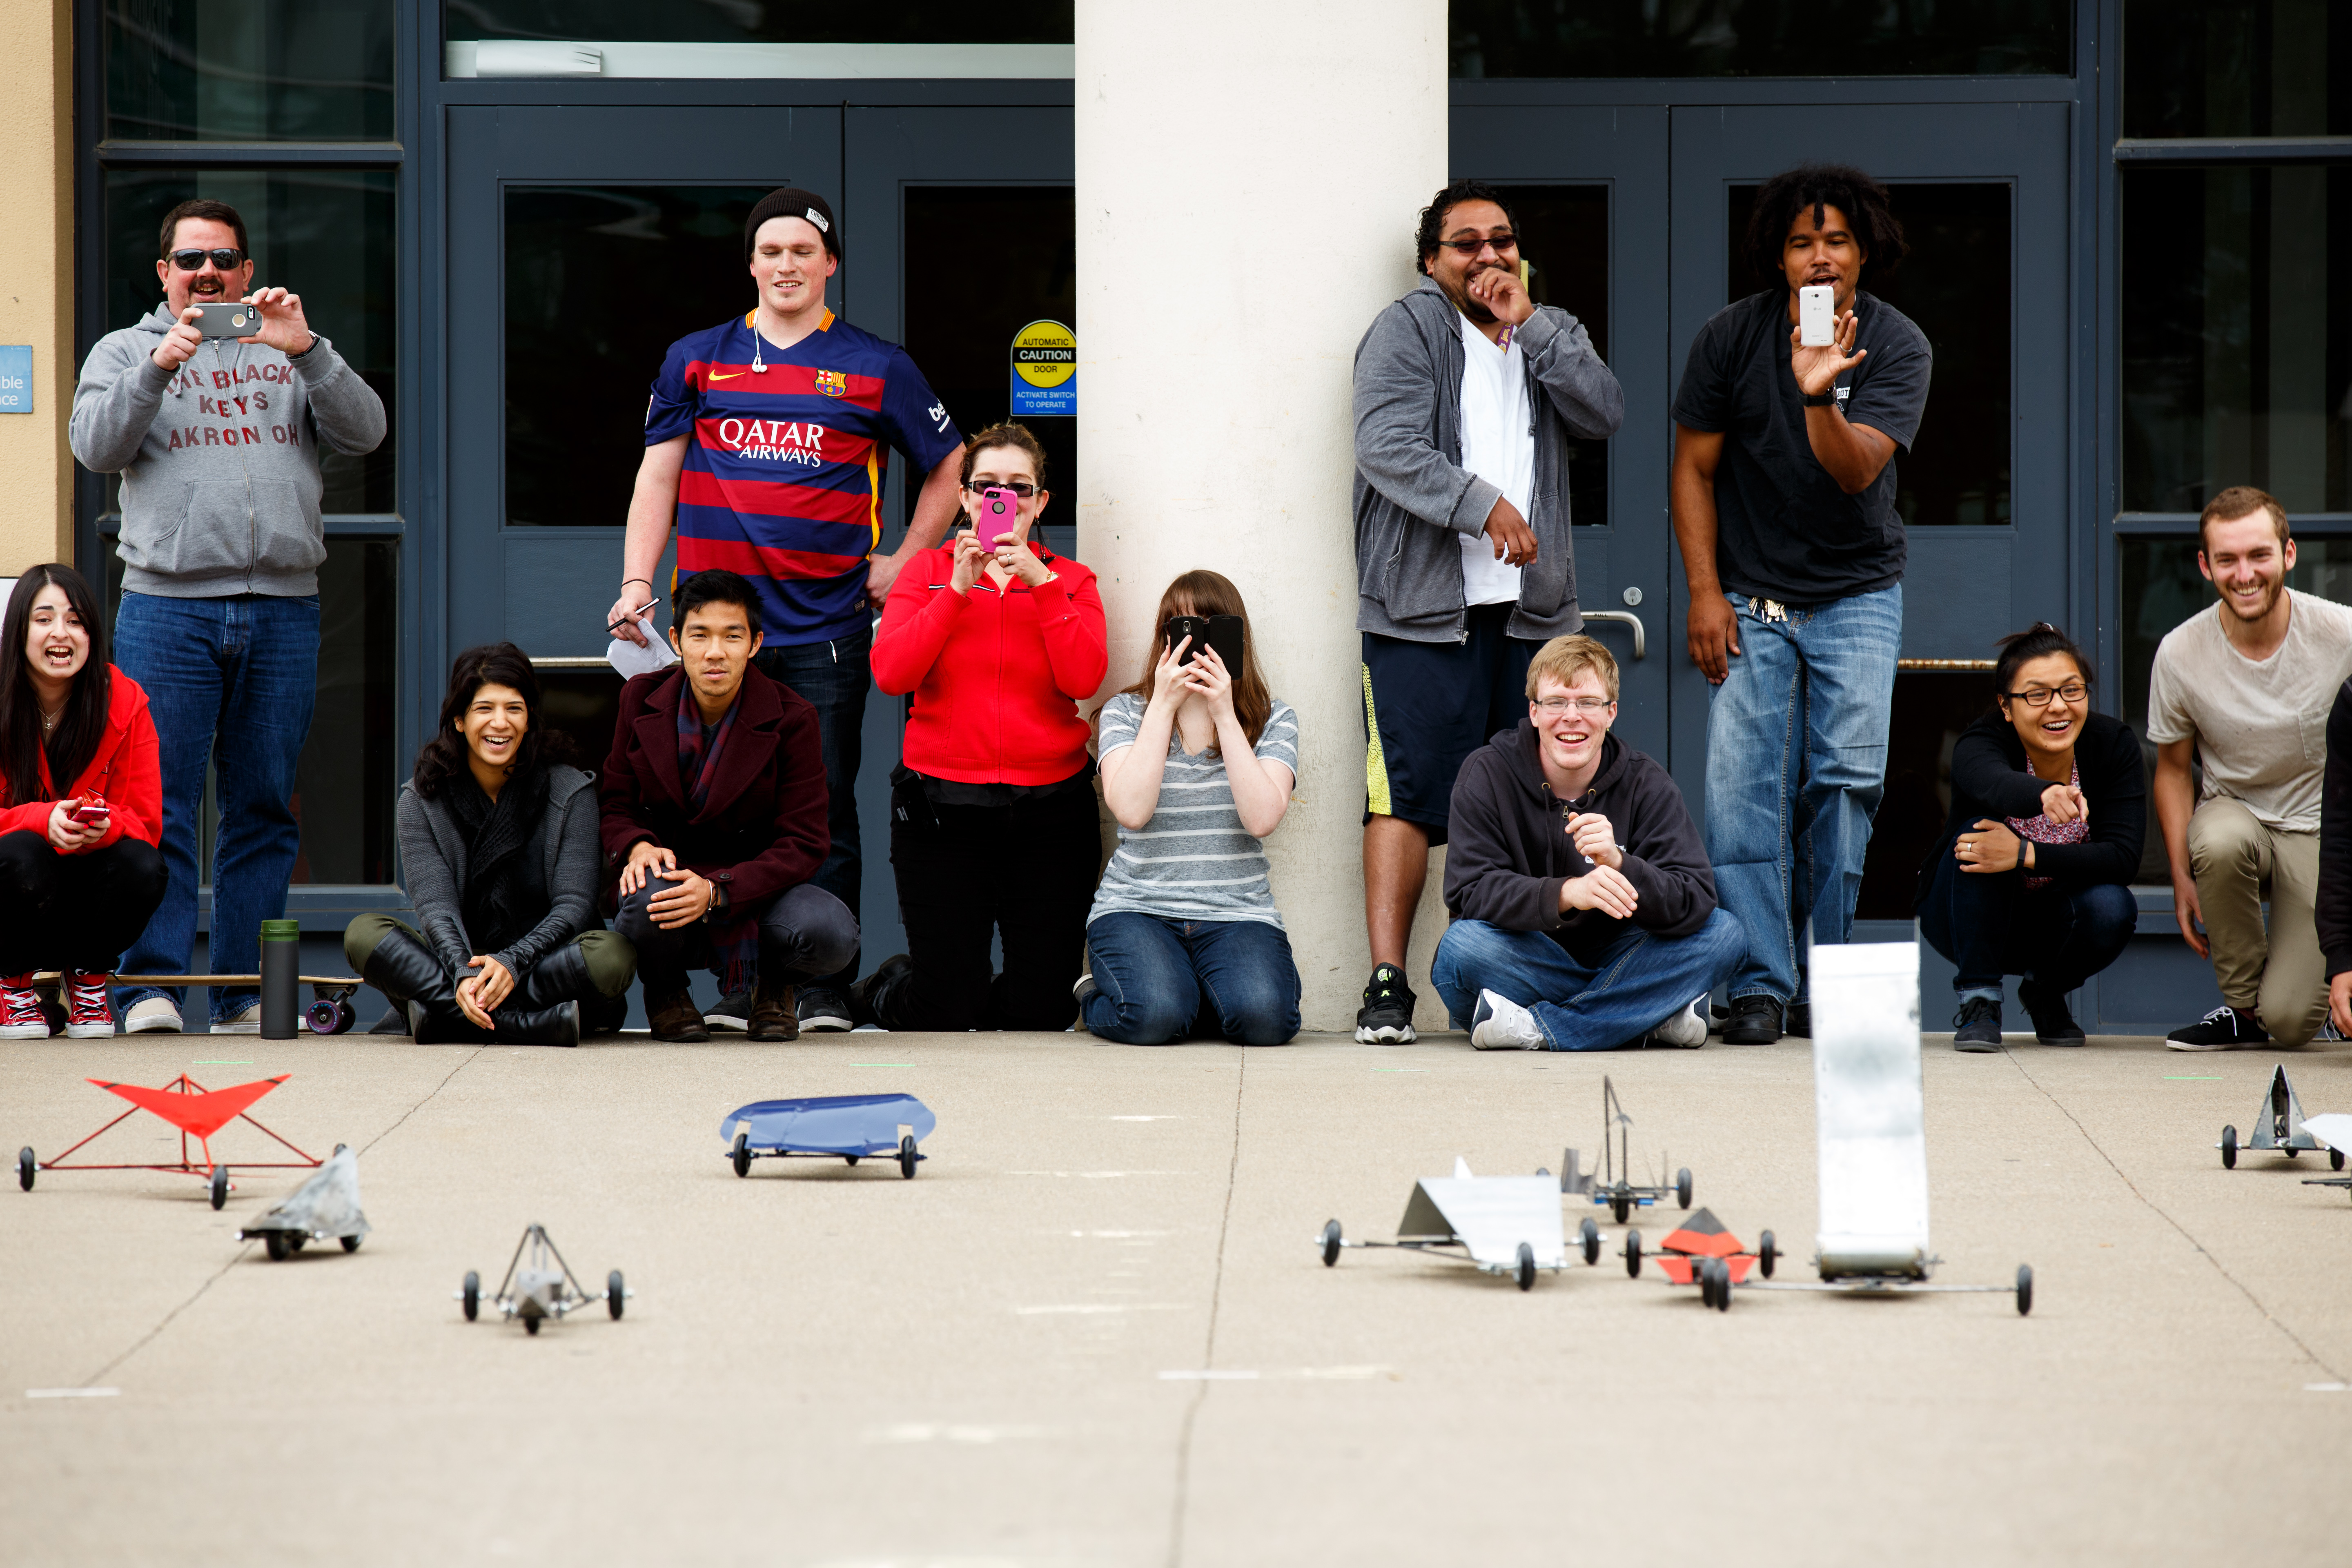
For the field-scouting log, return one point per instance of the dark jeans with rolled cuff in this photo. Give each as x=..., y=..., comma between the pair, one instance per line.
x=1989, y=924
x=969, y=874
x=608, y=962
x=804, y=933
x=1158, y=981
x=834, y=676
x=74, y=912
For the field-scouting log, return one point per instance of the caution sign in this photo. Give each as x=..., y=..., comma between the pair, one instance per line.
x=1044, y=370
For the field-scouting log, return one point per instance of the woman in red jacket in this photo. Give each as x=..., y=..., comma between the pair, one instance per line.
x=992, y=820
x=80, y=869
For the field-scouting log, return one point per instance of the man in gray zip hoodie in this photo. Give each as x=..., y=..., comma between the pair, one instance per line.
x=1467, y=393
x=217, y=444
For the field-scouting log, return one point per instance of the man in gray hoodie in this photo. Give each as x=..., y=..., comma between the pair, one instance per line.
x=1467, y=393
x=217, y=444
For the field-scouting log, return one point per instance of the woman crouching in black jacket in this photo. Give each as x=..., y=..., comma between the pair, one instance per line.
x=500, y=852
x=2034, y=875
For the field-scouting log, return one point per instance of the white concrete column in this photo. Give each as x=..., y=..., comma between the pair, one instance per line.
x=1248, y=178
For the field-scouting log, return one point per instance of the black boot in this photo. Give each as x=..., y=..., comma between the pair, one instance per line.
x=413, y=975
x=561, y=976
x=556, y=1026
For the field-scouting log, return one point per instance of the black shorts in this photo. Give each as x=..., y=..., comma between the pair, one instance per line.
x=1428, y=705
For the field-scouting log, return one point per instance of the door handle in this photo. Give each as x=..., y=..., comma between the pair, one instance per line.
x=1641, y=635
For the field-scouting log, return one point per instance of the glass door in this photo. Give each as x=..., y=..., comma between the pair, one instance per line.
x=1981, y=191
x=1589, y=190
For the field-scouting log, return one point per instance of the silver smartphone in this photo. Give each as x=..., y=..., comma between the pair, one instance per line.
x=1817, y=316
x=228, y=319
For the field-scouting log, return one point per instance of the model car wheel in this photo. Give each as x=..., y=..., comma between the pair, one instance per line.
x=1330, y=1244
x=616, y=1296
x=1527, y=1274
x=531, y=1324
x=296, y=1240
x=1620, y=1204
x=850, y=1158
x=1722, y=1285
x=220, y=1185
x=1706, y=1272
x=2293, y=1153
x=1767, y=1254
x=1632, y=1255
x=471, y=1295
x=2229, y=1148
x=1683, y=1186
x=2024, y=1288
x=351, y=1244
x=26, y=1166
x=276, y=1242
x=742, y=1155
x=906, y=1156
x=1590, y=1233
x=2335, y=1162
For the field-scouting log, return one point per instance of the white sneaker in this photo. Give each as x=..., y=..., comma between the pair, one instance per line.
x=248, y=1022
x=1499, y=1024
x=1686, y=1029
x=153, y=1016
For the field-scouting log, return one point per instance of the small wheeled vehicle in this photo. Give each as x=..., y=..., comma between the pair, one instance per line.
x=324, y=1208
x=1612, y=1186
x=844, y=1126
x=1509, y=1225
x=539, y=1285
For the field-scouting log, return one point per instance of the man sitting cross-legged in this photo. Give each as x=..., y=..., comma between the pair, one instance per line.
x=1584, y=912
x=715, y=797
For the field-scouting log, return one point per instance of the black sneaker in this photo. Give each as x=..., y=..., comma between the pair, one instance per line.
x=2225, y=1029
x=1754, y=1021
x=823, y=1011
x=1799, y=1020
x=875, y=986
x=2054, y=1021
x=1976, y=1025
x=733, y=1012
x=1386, y=1016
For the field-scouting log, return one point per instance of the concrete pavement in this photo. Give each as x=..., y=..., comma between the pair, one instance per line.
x=840, y=1369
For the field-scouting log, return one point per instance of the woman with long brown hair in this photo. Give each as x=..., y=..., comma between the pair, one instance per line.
x=1197, y=761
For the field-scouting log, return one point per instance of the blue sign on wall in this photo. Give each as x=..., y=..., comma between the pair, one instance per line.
x=17, y=379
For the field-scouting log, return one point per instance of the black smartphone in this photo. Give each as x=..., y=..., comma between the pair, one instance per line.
x=1177, y=629
x=1223, y=632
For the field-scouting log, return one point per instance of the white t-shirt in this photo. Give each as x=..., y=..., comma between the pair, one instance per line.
x=1499, y=445
x=2261, y=726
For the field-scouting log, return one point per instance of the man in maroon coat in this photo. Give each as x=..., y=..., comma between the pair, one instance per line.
x=714, y=799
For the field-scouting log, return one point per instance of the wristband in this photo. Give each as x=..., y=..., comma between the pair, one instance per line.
x=646, y=580
x=306, y=353
x=1821, y=399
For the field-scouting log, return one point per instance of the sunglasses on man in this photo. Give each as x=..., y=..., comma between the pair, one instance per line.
x=1469, y=248
x=226, y=258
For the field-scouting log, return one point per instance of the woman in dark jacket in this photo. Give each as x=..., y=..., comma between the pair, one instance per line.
x=500, y=852
x=2033, y=876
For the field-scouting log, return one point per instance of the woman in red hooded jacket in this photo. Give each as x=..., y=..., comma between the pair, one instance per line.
x=81, y=871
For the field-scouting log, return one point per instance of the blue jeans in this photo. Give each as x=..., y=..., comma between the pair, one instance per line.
x=1639, y=982
x=229, y=681
x=1796, y=760
x=1160, y=980
x=1991, y=925
x=834, y=676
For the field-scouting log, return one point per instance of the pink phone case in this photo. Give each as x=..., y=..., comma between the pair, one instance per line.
x=1000, y=513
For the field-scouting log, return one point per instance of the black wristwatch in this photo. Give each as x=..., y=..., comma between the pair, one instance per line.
x=1820, y=399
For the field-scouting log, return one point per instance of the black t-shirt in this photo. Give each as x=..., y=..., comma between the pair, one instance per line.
x=1784, y=529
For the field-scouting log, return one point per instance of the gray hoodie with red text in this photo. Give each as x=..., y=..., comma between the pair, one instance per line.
x=219, y=459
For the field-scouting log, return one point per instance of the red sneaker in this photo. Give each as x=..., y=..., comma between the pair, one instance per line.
x=88, y=1016
x=21, y=1017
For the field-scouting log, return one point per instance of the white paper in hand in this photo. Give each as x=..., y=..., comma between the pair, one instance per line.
x=630, y=659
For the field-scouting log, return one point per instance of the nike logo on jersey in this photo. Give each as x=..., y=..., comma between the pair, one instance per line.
x=730, y=375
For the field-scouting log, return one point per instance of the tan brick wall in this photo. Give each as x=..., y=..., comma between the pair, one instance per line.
x=36, y=283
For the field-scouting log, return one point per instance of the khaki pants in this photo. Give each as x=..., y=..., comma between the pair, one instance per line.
x=2238, y=861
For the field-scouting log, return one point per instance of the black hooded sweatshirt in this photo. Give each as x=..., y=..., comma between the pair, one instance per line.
x=1508, y=848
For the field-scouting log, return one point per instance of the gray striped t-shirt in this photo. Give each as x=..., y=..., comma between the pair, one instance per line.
x=1193, y=861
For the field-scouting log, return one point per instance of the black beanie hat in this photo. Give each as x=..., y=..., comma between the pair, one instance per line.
x=791, y=201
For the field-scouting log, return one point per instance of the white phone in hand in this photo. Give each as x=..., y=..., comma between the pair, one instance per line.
x=1817, y=316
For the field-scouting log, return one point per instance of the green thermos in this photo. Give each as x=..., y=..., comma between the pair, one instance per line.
x=281, y=971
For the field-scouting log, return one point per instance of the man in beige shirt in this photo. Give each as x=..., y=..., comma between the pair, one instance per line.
x=2248, y=683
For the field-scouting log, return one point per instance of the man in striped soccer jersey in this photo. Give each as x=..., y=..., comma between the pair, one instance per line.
x=767, y=437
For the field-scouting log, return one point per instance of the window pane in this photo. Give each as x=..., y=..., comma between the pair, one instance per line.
x=763, y=21
x=1956, y=285
x=2159, y=587
x=600, y=281
x=2237, y=68
x=345, y=781
x=961, y=319
x=1760, y=37
x=248, y=71
x=1564, y=240
x=2237, y=335
x=326, y=234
